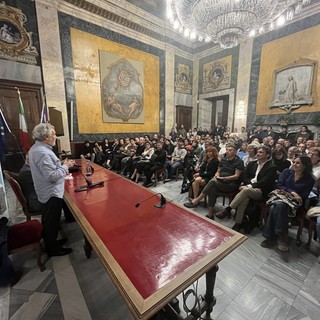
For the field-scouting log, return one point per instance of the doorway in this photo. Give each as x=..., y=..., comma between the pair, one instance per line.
x=220, y=111
x=184, y=116
x=9, y=103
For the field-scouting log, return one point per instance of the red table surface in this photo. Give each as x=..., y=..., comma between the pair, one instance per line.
x=151, y=245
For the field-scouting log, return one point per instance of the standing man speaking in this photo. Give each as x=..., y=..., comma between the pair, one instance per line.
x=48, y=175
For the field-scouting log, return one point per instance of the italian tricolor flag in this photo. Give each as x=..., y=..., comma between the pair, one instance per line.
x=23, y=132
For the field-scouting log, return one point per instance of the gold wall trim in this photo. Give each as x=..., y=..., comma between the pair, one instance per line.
x=92, y=8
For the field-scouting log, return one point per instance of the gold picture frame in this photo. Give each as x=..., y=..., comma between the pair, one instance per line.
x=15, y=42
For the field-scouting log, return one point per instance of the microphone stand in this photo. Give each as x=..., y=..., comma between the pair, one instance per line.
x=89, y=184
x=160, y=204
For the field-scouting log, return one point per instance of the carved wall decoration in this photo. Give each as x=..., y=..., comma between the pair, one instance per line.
x=293, y=87
x=183, y=81
x=217, y=75
x=15, y=42
x=121, y=88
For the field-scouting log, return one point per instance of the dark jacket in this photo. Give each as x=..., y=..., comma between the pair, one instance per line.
x=266, y=178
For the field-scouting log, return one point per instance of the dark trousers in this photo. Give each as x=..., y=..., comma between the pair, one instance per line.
x=51, y=216
x=149, y=170
x=277, y=222
x=214, y=187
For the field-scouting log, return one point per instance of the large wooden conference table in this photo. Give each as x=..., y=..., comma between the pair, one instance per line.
x=151, y=254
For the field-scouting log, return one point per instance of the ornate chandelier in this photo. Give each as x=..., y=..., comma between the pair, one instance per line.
x=227, y=22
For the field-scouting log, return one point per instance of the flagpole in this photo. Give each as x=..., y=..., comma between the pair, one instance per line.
x=17, y=142
x=13, y=135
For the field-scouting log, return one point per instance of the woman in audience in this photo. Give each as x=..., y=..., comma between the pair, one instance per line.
x=119, y=155
x=145, y=159
x=99, y=155
x=293, y=183
x=107, y=153
x=279, y=158
x=207, y=170
x=304, y=133
x=252, y=151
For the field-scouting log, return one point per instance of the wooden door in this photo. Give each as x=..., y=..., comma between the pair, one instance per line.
x=220, y=106
x=31, y=99
x=184, y=116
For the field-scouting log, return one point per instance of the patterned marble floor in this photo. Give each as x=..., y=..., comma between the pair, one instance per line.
x=252, y=284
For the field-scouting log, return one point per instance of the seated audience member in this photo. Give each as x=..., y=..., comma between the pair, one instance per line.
x=177, y=159
x=269, y=132
x=297, y=183
x=227, y=179
x=143, y=161
x=314, y=155
x=302, y=149
x=243, y=151
x=107, y=153
x=99, y=155
x=87, y=152
x=258, y=180
x=292, y=153
x=173, y=134
x=207, y=170
x=287, y=144
x=303, y=133
x=182, y=132
x=242, y=134
x=272, y=143
x=284, y=134
x=252, y=152
x=119, y=154
x=310, y=144
x=196, y=148
x=279, y=158
x=156, y=163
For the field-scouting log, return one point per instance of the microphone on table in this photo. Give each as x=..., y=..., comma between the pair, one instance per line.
x=89, y=185
x=160, y=204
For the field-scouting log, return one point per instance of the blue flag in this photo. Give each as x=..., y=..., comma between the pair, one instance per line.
x=4, y=129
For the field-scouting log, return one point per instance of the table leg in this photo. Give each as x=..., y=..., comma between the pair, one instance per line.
x=169, y=312
x=87, y=247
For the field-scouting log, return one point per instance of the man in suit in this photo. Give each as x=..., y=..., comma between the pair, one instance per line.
x=258, y=180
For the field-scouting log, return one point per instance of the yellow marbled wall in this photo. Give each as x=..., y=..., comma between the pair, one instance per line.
x=277, y=54
x=85, y=54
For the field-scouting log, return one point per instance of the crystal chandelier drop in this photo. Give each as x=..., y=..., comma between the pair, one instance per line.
x=227, y=22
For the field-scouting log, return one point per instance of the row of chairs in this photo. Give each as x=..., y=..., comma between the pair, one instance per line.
x=300, y=220
x=26, y=235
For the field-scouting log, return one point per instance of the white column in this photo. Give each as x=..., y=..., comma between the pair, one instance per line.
x=243, y=83
x=51, y=58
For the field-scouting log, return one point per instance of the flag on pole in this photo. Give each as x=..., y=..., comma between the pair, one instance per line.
x=4, y=128
x=23, y=132
x=45, y=118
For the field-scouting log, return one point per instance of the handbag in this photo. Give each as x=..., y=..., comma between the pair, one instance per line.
x=287, y=198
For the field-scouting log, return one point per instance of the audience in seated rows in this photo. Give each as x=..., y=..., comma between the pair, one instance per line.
x=258, y=180
x=227, y=179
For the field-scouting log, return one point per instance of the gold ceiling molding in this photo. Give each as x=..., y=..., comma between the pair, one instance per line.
x=92, y=8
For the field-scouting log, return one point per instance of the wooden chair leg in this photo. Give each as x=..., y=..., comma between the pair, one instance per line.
x=300, y=228
x=311, y=227
x=38, y=249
